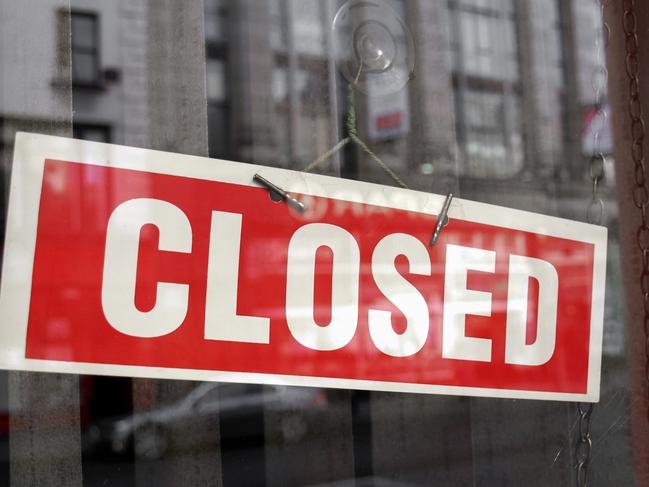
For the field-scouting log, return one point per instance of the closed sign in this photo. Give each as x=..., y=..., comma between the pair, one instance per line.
x=132, y=262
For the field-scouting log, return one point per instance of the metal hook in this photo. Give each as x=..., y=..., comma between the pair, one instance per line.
x=442, y=220
x=287, y=198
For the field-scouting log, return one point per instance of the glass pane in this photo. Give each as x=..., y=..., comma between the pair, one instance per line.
x=216, y=12
x=507, y=104
x=216, y=82
x=84, y=68
x=307, y=26
x=84, y=31
x=98, y=134
x=219, y=130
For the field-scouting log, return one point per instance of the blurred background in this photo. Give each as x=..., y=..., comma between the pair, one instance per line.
x=505, y=102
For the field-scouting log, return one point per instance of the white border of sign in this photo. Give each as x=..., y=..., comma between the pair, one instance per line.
x=30, y=153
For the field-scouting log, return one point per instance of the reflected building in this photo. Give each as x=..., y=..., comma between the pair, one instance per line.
x=501, y=90
x=500, y=94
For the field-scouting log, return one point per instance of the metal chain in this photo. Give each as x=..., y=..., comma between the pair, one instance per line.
x=594, y=215
x=597, y=163
x=584, y=445
x=640, y=191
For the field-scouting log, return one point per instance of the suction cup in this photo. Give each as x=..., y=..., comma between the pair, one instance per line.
x=373, y=47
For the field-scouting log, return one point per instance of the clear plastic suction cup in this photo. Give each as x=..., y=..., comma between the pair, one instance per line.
x=373, y=47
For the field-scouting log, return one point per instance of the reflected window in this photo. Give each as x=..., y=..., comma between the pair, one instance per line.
x=215, y=20
x=297, y=25
x=486, y=77
x=216, y=73
x=300, y=78
x=308, y=26
x=85, y=49
x=94, y=132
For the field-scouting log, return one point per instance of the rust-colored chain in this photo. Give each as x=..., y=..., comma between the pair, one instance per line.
x=640, y=191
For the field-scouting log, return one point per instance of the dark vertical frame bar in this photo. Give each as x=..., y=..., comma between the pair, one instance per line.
x=311, y=445
x=630, y=217
x=521, y=442
x=362, y=435
x=106, y=397
x=422, y=439
x=243, y=456
x=572, y=118
x=4, y=428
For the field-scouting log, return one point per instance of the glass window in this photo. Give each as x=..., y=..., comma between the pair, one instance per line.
x=307, y=25
x=486, y=81
x=85, y=49
x=216, y=13
x=216, y=81
x=98, y=133
x=507, y=103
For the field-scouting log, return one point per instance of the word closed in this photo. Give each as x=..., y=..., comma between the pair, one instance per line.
x=223, y=323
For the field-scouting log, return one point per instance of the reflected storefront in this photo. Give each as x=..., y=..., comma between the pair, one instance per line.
x=160, y=279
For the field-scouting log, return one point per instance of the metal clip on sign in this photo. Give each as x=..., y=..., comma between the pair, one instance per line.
x=442, y=220
x=279, y=192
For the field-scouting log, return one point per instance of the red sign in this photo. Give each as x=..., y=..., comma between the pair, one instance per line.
x=388, y=121
x=142, y=268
